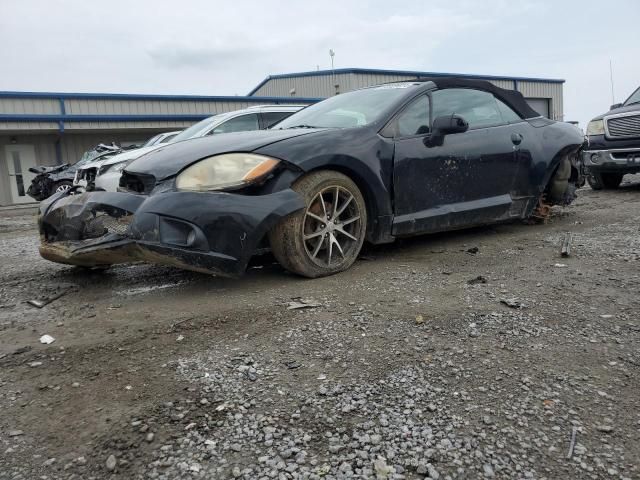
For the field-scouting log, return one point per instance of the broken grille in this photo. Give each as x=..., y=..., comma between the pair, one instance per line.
x=103, y=224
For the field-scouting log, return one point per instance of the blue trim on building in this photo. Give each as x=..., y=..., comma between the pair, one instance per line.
x=101, y=118
x=413, y=73
x=61, y=96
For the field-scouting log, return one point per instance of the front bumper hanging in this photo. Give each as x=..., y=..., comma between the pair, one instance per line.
x=214, y=232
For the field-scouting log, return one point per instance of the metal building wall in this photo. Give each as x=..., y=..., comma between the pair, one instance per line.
x=323, y=86
x=119, y=105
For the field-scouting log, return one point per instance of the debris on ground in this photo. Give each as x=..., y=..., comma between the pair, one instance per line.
x=473, y=250
x=572, y=442
x=47, y=339
x=46, y=301
x=419, y=319
x=299, y=303
x=565, y=250
x=560, y=265
x=477, y=280
x=512, y=303
x=111, y=463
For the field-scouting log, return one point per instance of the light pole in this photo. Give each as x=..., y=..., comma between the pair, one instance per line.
x=333, y=77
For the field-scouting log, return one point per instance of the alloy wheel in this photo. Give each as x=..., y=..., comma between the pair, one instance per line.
x=63, y=188
x=331, y=226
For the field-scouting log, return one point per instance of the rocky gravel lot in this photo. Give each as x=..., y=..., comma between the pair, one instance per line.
x=474, y=354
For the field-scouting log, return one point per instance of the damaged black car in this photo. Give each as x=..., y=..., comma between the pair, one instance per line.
x=372, y=165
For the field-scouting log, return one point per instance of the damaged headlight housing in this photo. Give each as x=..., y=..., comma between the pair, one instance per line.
x=113, y=167
x=230, y=170
x=595, y=127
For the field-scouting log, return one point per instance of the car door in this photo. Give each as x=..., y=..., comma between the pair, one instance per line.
x=465, y=179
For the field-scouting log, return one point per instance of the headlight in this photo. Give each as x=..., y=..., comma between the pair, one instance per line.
x=595, y=127
x=225, y=171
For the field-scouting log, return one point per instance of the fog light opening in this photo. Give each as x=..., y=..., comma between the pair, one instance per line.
x=595, y=158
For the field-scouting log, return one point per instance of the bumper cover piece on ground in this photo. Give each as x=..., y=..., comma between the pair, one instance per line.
x=205, y=232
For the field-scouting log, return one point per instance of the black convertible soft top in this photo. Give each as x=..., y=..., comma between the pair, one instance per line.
x=512, y=98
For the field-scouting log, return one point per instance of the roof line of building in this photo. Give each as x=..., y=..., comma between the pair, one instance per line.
x=415, y=73
x=101, y=118
x=136, y=96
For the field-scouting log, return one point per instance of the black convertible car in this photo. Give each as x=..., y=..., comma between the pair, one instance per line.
x=383, y=162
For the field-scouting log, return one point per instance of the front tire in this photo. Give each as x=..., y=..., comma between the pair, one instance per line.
x=62, y=186
x=607, y=181
x=326, y=236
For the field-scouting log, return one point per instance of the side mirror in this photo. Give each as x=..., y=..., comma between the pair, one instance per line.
x=446, y=125
x=614, y=106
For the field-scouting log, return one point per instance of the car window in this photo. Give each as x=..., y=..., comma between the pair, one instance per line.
x=508, y=115
x=414, y=120
x=271, y=118
x=478, y=108
x=351, y=109
x=168, y=138
x=242, y=123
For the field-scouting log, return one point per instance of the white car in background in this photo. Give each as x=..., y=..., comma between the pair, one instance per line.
x=165, y=137
x=106, y=175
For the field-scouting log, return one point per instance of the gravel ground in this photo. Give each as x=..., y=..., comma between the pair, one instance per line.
x=474, y=354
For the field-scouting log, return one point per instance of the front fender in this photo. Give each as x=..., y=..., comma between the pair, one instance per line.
x=365, y=158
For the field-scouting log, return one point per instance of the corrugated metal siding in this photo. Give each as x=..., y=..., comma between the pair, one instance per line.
x=35, y=106
x=30, y=126
x=106, y=126
x=151, y=107
x=156, y=107
x=323, y=86
x=5, y=192
x=90, y=106
x=552, y=91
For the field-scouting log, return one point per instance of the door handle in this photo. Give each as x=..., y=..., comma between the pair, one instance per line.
x=516, y=138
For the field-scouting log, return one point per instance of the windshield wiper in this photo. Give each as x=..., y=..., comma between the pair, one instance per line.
x=301, y=126
x=632, y=103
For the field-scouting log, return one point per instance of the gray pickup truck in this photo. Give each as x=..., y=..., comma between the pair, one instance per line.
x=614, y=144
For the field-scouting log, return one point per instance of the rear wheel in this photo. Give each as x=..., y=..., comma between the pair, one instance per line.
x=326, y=237
x=609, y=181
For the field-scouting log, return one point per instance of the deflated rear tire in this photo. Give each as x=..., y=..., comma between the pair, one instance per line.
x=326, y=236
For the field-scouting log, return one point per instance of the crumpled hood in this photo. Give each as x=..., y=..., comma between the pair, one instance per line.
x=129, y=155
x=170, y=159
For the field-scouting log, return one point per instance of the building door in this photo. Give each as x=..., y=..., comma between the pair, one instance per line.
x=19, y=159
x=540, y=105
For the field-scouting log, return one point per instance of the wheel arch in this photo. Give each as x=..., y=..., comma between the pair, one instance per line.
x=375, y=192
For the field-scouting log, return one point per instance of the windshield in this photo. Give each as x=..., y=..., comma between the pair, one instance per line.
x=353, y=109
x=634, y=98
x=152, y=140
x=196, y=130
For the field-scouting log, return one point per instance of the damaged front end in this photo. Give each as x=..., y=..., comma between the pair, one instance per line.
x=214, y=232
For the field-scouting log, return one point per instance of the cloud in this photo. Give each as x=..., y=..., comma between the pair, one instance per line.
x=181, y=56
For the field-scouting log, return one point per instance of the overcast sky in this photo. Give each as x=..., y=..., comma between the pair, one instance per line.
x=227, y=47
